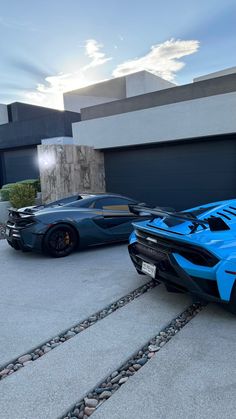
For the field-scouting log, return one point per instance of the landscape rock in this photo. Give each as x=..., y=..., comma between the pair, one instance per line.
x=89, y=410
x=105, y=395
x=116, y=379
x=24, y=358
x=90, y=402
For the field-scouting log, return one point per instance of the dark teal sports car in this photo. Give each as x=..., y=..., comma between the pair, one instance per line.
x=80, y=221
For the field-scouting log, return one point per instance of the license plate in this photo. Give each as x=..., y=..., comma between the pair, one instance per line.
x=149, y=269
x=7, y=232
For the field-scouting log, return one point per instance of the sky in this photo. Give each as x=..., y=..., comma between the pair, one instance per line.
x=48, y=47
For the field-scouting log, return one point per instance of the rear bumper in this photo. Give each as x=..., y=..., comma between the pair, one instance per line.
x=24, y=240
x=170, y=273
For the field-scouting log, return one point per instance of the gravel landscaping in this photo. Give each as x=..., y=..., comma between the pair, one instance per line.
x=87, y=406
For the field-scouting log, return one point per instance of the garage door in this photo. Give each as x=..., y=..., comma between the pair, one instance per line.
x=20, y=165
x=180, y=175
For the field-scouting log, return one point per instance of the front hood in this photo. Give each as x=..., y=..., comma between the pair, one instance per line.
x=221, y=243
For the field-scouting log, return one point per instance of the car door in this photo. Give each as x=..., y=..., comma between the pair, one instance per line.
x=116, y=219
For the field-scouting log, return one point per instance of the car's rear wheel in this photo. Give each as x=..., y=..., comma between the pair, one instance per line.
x=231, y=306
x=60, y=241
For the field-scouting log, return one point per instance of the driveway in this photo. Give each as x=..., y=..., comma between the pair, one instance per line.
x=163, y=363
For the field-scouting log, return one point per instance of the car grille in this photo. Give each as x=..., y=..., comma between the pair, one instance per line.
x=155, y=243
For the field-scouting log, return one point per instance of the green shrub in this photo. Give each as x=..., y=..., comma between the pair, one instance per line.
x=5, y=194
x=33, y=182
x=8, y=185
x=5, y=191
x=22, y=195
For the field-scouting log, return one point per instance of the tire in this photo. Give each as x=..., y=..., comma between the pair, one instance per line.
x=14, y=246
x=231, y=306
x=60, y=241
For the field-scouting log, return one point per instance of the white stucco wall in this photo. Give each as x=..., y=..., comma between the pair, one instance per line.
x=3, y=114
x=114, y=89
x=225, y=72
x=145, y=82
x=195, y=118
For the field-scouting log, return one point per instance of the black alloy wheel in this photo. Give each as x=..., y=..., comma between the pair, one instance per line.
x=60, y=241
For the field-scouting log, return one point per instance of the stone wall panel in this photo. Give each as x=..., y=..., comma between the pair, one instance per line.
x=68, y=169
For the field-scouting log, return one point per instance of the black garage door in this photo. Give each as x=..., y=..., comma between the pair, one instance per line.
x=180, y=175
x=19, y=165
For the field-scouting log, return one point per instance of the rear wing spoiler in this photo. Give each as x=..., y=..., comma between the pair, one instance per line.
x=214, y=223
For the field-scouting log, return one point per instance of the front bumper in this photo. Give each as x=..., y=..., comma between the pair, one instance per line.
x=172, y=274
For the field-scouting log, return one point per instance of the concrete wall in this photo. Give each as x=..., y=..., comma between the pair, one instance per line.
x=23, y=133
x=3, y=114
x=144, y=82
x=189, y=119
x=95, y=94
x=115, y=89
x=23, y=111
x=191, y=91
x=227, y=71
x=67, y=170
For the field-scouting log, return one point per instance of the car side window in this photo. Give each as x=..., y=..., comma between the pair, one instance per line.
x=113, y=204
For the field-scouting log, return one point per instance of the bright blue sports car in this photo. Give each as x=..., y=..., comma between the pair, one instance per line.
x=193, y=250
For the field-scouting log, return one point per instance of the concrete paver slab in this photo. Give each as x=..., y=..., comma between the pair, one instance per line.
x=193, y=376
x=51, y=385
x=41, y=297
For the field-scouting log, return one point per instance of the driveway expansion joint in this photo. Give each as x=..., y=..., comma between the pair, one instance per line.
x=96, y=397
x=38, y=352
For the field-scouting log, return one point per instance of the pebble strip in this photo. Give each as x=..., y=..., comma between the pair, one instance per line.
x=85, y=407
x=26, y=359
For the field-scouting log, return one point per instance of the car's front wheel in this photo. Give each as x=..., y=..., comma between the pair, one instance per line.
x=60, y=241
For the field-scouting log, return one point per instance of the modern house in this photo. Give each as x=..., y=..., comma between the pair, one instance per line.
x=22, y=127
x=163, y=144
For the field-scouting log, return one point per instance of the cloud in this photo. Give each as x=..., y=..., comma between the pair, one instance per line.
x=162, y=60
x=93, y=51
x=50, y=91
